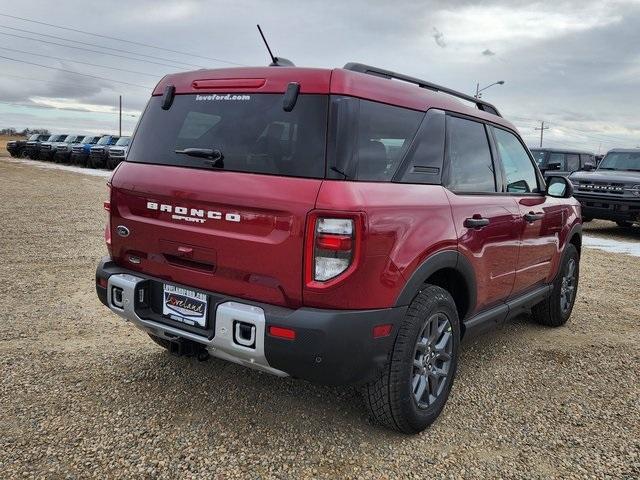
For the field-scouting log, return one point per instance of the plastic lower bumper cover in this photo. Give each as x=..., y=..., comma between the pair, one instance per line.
x=331, y=347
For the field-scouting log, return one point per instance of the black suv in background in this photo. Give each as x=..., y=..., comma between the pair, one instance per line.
x=18, y=148
x=612, y=192
x=32, y=148
x=557, y=161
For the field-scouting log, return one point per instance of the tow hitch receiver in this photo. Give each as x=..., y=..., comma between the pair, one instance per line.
x=187, y=348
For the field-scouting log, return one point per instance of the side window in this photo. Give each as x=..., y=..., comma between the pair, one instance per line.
x=384, y=133
x=519, y=170
x=573, y=162
x=587, y=160
x=469, y=157
x=423, y=162
x=556, y=161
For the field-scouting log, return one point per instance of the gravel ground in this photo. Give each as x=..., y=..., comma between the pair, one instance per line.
x=83, y=394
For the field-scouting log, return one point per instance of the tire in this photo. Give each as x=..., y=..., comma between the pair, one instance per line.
x=23, y=154
x=556, y=309
x=586, y=219
x=160, y=341
x=392, y=398
x=624, y=224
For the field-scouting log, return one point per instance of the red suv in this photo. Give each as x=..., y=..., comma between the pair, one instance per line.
x=345, y=226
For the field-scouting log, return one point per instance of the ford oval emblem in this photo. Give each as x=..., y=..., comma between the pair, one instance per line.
x=122, y=231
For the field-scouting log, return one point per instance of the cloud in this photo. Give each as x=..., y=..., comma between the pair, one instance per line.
x=488, y=53
x=438, y=36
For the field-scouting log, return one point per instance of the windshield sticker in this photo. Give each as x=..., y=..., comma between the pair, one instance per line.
x=228, y=96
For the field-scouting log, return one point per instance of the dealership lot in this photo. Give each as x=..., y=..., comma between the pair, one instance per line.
x=83, y=394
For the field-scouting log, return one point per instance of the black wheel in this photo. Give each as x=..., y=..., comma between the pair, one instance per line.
x=414, y=386
x=624, y=224
x=164, y=343
x=23, y=154
x=556, y=309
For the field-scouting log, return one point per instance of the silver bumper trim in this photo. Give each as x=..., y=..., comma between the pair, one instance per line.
x=222, y=345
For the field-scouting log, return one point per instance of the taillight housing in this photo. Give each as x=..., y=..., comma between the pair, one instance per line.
x=332, y=247
x=107, y=227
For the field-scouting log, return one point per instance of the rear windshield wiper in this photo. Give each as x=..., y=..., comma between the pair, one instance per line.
x=208, y=153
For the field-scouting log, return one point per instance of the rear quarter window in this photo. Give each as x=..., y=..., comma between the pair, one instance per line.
x=369, y=139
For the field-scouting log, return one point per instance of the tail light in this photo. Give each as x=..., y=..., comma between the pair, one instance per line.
x=107, y=227
x=331, y=248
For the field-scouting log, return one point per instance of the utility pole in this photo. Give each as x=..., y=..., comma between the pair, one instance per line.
x=120, y=121
x=542, y=128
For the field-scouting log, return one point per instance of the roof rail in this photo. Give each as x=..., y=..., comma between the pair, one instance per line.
x=379, y=72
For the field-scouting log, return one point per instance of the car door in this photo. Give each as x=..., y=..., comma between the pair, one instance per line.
x=486, y=220
x=541, y=216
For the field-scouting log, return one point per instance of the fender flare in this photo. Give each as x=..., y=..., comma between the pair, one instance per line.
x=445, y=259
x=576, y=229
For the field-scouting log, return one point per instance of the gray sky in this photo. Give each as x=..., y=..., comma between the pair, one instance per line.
x=574, y=64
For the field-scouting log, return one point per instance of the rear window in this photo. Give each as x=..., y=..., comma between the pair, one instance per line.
x=252, y=131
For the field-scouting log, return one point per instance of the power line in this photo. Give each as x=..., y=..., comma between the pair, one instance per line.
x=100, y=46
x=87, y=49
x=75, y=73
x=64, y=84
x=120, y=39
x=81, y=63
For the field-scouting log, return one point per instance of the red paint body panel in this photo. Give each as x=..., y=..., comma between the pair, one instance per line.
x=404, y=225
x=492, y=250
x=259, y=258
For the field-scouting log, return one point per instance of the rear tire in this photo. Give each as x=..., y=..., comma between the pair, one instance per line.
x=556, y=309
x=413, y=388
x=166, y=344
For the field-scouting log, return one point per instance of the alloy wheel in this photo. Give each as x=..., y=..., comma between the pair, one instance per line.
x=432, y=360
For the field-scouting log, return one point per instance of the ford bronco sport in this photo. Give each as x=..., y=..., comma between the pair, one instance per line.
x=346, y=226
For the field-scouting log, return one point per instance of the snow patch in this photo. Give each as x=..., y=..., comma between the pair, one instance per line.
x=613, y=246
x=94, y=172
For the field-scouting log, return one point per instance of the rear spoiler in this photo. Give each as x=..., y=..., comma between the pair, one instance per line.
x=379, y=72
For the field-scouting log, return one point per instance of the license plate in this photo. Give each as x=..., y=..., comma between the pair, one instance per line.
x=184, y=305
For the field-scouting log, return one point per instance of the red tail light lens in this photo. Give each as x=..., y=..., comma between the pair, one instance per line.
x=331, y=247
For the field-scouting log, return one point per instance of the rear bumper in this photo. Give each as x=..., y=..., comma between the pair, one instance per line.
x=331, y=347
x=607, y=208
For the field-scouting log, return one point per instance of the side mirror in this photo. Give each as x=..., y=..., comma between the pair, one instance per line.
x=588, y=167
x=554, y=166
x=559, y=187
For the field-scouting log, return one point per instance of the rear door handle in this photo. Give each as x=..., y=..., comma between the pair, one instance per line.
x=476, y=222
x=533, y=217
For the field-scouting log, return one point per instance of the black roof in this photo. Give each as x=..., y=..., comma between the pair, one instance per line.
x=560, y=150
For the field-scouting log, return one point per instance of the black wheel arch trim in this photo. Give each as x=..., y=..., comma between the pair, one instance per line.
x=451, y=259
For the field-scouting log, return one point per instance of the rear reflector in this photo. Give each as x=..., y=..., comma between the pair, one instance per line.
x=281, y=332
x=107, y=205
x=102, y=282
x=380, y=331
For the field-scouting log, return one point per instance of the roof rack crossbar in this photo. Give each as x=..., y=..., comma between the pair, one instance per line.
x=380, y=72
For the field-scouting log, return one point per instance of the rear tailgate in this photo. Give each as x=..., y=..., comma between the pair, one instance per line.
x=239, y=234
